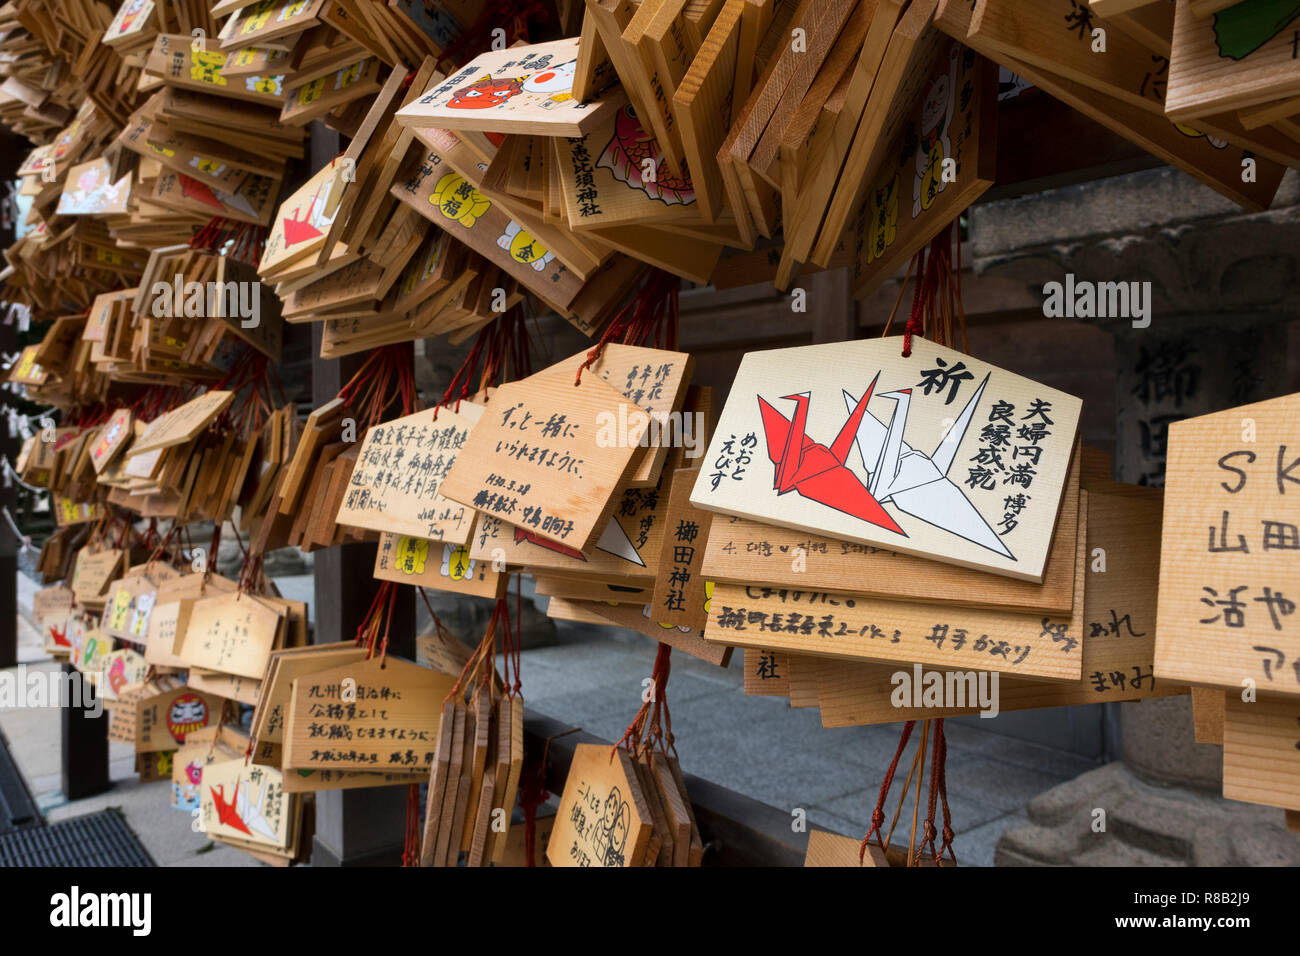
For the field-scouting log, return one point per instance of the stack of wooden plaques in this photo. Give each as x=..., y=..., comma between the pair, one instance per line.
x=925, y=549
x=619, y=810
x=1226, y=616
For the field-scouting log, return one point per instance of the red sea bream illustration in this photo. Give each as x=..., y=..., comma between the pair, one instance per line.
x=626, y=154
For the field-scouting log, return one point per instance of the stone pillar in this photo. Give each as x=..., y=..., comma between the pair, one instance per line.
x=1180, y=367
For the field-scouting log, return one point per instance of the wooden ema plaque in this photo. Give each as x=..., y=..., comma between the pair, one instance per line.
x=637, y=617
x=389, y=724
x=740, y=551
x=523, y=89
x=166, y=710
x=438, y=565
x=232, y=633
x=536, y=459
x=941, y=160
x=938, y=455
x=1229, y=574
x=1118, y=644
x=679, y=594
x=1104, y=88
x=1261, y=750
x=1243, y=55
x=395, y=484
x=627, y=550
x=857, y=627
x=246, y=802
x=284, y=668
x=603, y=819
x=832, y=849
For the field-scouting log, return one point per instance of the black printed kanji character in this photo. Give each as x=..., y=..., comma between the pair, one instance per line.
x=1233, y=613
x=989, y=456
x=1022, y=475
x=938, y=635
x=1032, y=452
x=1280, y=536
x=1222, y=544
x=824, y=625
x=767, y=666
x=1033, y=432
x=996, y=436
x=942, y=377
x=555, y=426
x=1266, y=663
x=1079, y=19
x=683, y=554
x=687, y=530
x=958, y=638
x=1277, y=604
x=1002, y=411
x=981, y=477
x=731, y=619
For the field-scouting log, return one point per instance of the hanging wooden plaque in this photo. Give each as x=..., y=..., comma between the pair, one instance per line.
x=938, y=455
x=864, y=628
x=679, y=597
x=537, y=460
x=522, y=89
x=1229, y=578
x=395, y=484
x=939, y=163
x=603, y=819
x=1243, y=55
x=391, y=724
x=232, y=633
x=247, y=802
x=438, y=565
x=1261, y=750
x=832, y=849
x=740, y=551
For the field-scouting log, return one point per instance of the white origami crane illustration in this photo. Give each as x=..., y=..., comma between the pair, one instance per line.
x=249, y=809
x=918, y=484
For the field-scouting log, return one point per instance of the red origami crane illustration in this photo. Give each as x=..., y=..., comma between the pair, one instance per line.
x=813, y=470
x=301, y=230
x=226, y=812
x=60, y=636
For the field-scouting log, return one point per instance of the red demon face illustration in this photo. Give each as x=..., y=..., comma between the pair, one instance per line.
x=485, y=93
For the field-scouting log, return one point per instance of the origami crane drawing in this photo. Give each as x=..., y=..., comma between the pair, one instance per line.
x=915, y=483
x=226, y=811
x=241, y=812
x=815, y=471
